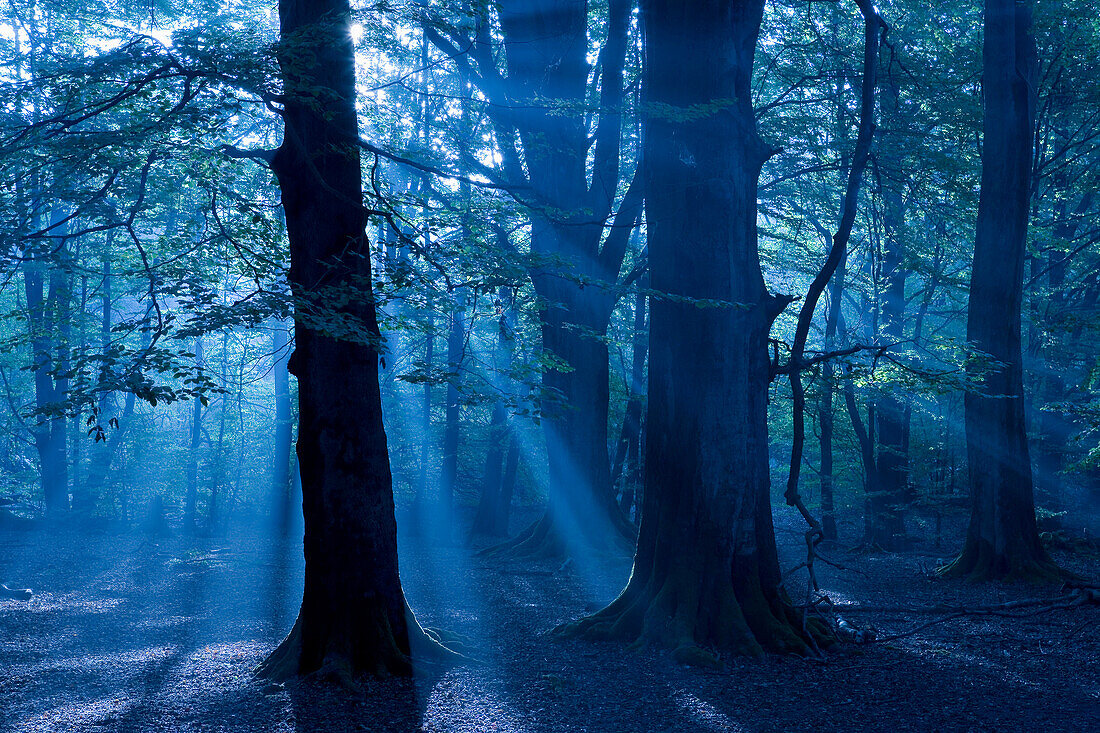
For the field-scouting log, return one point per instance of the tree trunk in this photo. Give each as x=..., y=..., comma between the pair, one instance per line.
x=825, y=415
x=891, y=495
x=284, y=431
x=496, y=493
x=545, y=43
x=49, y=429
x=353, y=614
x=624, y=470
x=582, y=514
x=486, y=521
x=191, y=498
x=456, y=345
x=103, y=451
x=706, y=574
x=1002, y=540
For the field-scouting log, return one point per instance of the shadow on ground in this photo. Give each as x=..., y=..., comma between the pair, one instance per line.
x=131, y=633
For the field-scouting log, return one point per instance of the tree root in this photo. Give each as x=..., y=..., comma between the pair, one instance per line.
x=390, y=656
x=703, y=627
x=542, y=540
x=978, y=564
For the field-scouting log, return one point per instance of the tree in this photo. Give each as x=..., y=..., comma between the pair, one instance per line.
x=192, y=495
x=706, y=573
x=1002, y=539
x=45, y=314
x=495, y=503
x=576, y=241
x=353, y=615
x=283, y=444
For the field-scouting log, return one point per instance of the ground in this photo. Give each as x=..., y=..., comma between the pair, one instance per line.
x=131, y=633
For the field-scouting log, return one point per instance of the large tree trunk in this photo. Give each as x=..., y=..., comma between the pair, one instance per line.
x=706, y=574
x=1002, y=540
x=353, y=614
x=582, y=513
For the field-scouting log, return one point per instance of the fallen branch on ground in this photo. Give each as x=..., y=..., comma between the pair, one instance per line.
x=1075, y=597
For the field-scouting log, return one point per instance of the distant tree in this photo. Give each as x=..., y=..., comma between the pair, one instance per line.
x=1003, y=539
x=494, y=505
x=283, y=445
x=567, y=170
x=48, y=309
x=191, y=495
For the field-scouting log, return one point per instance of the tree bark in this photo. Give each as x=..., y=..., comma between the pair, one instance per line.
x=706, y=575
x=873, y=28
x=353, y=615
x=1002, y=539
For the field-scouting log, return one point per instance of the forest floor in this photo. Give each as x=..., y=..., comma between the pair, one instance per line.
x=131, y=633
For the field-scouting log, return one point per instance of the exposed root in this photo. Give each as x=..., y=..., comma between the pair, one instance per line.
x=536, y=542
x=703, y=627
x=543, y=540
x=977, y=563
x=387, y=654
x=283, y=663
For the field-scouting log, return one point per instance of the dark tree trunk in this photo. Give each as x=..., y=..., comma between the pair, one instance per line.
x=508, y=483
x=706, y=574
x=353, y=614
x=103, y=451
x=1057, y=428
x=825, y=414
x=1002, y=540
x=893, y=494
x=76, y=422
x=838, y=252
x=826, y=418
x=217, y=468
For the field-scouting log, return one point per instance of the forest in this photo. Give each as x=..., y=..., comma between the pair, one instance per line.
x=549, y=365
